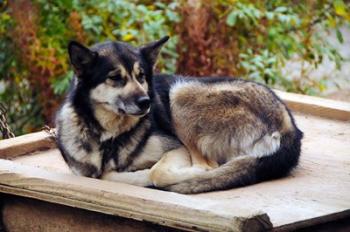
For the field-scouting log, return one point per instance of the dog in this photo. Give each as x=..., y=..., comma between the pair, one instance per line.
x=121, y=122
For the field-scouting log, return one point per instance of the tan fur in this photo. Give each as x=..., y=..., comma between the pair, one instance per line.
x=220, y=124
x=198, y=160
x=286, y=122
x=175, y=166
x=136, y=69
x=139, y=178
x=212, y=179
x=114, y=122
x=123, y=71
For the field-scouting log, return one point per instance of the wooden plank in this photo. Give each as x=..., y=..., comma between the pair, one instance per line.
x=316, y=106
x=24, y=214
x=318, y=190
x=21, y=145
x=164, y=208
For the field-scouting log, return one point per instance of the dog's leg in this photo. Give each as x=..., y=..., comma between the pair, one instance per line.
x=198, y=160
x=174, y=167
x=139, y=178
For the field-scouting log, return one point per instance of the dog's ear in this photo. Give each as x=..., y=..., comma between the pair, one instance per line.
x=151, y=50
x=80, y=56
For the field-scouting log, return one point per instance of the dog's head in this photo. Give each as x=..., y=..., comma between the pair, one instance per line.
x=116, y=75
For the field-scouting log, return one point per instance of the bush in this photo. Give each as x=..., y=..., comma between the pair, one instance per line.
x=247, y=38
x=255, y=39
x=34, y=35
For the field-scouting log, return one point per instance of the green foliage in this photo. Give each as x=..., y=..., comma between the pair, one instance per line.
x=14, y=90
x=26, y=69
x=270, y=33
x=253, y=39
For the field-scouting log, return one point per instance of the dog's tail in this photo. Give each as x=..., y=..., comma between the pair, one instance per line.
x=246, y=170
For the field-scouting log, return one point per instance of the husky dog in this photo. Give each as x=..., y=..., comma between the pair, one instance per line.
x=184, y=134
x=105, y=122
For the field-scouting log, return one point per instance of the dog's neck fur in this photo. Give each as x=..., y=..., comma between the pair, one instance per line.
x=112, y=122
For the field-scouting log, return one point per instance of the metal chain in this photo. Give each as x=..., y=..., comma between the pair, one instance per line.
x=51, y=131
x=4, y=127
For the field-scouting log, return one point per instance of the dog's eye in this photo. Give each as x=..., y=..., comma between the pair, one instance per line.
x=115, y=77
x=118, y=79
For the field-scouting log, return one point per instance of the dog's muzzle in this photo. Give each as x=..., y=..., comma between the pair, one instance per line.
x=143, y=103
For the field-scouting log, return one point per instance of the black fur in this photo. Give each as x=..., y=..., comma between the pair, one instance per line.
x=111, y=147
x=161, y=113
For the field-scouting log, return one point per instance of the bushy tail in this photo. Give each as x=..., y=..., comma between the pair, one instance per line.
x=246, y=170
x=237, y=172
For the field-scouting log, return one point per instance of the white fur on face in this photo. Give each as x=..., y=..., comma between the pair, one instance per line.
x=108, y=96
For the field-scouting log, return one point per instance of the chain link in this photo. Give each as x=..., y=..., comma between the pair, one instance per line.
x=51, y=131
x=4, y=127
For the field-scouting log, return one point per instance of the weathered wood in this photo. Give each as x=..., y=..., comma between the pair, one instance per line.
x=316, y=106
x=318, y=190
x=164, y=208
x=25, y=215
x=21, y=145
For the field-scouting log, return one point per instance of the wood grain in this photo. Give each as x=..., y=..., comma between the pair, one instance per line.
x=29, y=215
x=164, y=208
x=317, y=191
x=316, y=106
x=25, y=144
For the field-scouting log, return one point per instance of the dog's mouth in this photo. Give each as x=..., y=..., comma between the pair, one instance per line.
x=136, y=114
x=142, y=113
x=101, y=103
x=122, y=110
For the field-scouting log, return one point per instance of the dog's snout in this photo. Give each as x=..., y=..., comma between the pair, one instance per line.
x=143, y=102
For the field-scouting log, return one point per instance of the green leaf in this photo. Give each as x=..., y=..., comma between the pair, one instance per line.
x=339, y=36
x=231, y=19
x=339, y=7
x=281, y=9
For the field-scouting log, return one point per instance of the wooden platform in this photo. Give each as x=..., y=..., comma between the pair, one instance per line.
x=318, y=191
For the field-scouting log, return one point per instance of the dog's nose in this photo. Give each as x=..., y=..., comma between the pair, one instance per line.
x=143, y=102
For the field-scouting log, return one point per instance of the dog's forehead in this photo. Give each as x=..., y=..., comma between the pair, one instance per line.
x=118, y=54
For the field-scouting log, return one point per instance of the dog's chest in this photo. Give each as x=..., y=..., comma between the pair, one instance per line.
x=119, y=151
x=106, y=135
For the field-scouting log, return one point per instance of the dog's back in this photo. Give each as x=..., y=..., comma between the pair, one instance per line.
x=241, y=126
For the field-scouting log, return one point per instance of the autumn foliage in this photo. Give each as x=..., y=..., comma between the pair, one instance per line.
x=246, y=38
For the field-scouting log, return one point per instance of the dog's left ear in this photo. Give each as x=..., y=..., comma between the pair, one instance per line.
x=81, y=57
x=150, y=51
